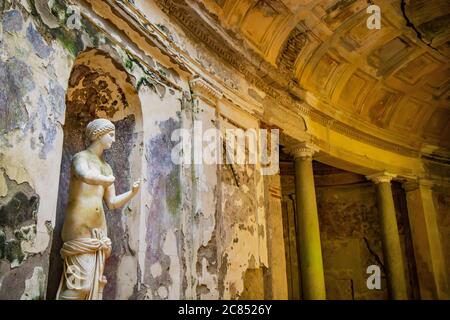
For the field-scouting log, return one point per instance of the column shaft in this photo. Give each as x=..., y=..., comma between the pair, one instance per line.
x=308, y=233
x=276, y=277
x=430, y=261
x=392, y=250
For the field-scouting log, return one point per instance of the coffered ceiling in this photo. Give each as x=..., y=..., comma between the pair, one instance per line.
x=395, y=79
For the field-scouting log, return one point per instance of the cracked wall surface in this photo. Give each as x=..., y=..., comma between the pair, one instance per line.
x=351, y=241
x=32, y=108
x=43, y=62
x=228, y=230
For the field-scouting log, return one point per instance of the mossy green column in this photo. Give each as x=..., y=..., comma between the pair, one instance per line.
x=308, y=233
x=392, y=251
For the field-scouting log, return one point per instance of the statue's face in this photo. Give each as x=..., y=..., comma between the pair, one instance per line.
x=107, y=139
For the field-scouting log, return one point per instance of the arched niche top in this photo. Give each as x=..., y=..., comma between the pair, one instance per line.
x=99, y=86
x=302, y=124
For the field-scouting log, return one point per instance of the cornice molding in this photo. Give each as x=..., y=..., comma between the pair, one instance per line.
x=204, y=90
x=245, y=64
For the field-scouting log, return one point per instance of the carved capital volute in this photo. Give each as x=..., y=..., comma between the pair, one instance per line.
x=381, y=177
x=303, y=150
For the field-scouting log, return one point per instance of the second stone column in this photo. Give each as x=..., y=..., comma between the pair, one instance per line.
x=392, y=251
x=308, y=232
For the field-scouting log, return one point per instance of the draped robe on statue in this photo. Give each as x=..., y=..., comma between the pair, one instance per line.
x=84, y=263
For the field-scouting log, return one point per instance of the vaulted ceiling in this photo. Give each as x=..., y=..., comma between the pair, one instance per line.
x=395, y=79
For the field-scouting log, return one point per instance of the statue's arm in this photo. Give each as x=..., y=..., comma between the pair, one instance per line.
x=86, y=175
x=114, y=201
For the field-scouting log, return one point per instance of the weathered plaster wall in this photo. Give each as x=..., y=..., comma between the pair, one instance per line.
x=163, y=236
x=351, y=241
x=33, y=76
x=228, y=239
x=243, y=219
x=155, y=243
x=204, y=267
x=38, y=52
x=240, y=233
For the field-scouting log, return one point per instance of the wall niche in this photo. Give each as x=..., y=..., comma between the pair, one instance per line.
x=99, y=87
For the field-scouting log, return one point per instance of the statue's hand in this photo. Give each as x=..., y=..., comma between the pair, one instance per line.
x=108, y=180
x=135, y=187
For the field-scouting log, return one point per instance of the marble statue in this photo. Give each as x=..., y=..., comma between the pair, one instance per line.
x=86, y=245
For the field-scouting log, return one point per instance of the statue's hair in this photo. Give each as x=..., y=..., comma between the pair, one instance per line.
x=98, y=127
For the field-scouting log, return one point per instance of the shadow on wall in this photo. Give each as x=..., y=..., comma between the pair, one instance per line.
x=100, y=87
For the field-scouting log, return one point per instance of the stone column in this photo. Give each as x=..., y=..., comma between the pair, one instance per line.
x=275, y=278
x=392, y=250
x=308, y=233
x=430, y=264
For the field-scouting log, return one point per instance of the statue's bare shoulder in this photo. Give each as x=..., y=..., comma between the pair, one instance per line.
x=86, y=159
x=81, y=157
x=84, y=155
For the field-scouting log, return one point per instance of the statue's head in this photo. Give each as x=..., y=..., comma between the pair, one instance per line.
x=101, y=130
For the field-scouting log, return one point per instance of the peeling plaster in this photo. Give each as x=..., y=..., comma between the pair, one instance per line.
x=3, y=185
x=162, y=255
x=12, y=21
x=156, y=270
x=35, y=286
x=18, y=218
x=41, y=48
x=170, y=249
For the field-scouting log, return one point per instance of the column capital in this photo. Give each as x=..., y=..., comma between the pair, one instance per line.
x=381, y=177
x=203, y=89
x=302, y=150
